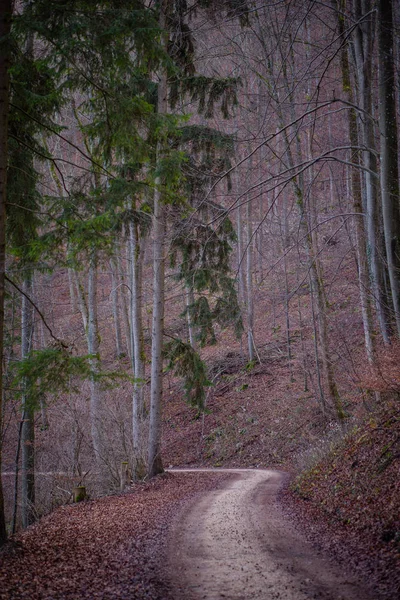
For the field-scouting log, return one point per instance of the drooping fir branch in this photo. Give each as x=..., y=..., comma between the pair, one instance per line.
x=207, y=92
x=202, y=318
x=204, y=267
x=88, y=39
x=186, y=363
x=235, y=9
x=203, y=251
x=203, y=140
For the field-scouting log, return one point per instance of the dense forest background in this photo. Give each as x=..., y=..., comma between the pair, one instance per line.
x=199, y=239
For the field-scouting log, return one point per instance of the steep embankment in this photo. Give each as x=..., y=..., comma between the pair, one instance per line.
x=349, y=501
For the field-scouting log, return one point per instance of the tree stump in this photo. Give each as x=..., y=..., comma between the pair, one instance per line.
x=79, y=493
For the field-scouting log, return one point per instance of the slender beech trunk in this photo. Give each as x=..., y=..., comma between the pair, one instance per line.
x=312, y=254
x=189, y=294
x=284, y=226
x=364, y=54
x=130, y=259
x=389, y=151
x=155, y=465
x=298, y=188
x=301, y=326
x=5, y=24
x=249, y=281
x=80, y=295
x=42, y=399
x=260, y=241
x=93, y=341
x=154, y=459
x=137, y=257
x=356, y=190
x=125, y=309
x=317, y=287
x=28, y=414
x=239, y=231
x=322, y=401
x=115, y=306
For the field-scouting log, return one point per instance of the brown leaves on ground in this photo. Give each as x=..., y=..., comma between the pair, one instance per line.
x=350, y=502
x=109, y=548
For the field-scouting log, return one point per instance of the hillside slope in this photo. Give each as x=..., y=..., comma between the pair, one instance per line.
x=345, y=491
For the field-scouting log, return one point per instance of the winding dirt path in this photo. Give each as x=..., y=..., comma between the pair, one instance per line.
x=234, y=543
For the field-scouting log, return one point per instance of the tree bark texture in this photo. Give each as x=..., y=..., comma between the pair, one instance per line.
x=154, y=459
x=93, y=342
x=389, y=151
x=28, y=414
x=155, y=465
x=363, y=52
x=249, y=281
x=5, y=24
x=137, y=257
x=115, y=307
x=356, y=189
x=189, y=295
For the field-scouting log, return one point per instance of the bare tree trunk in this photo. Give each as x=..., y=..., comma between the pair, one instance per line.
x=298, y=188
x=240, y=255
x=249, y=282
x=155, y=465
x=301, y=325
x=356, y=189
x=93, y=342
x=72, y=291
x=364, y=55
x=154, y=461
x=16, y=478
x=82, y=304
x=317, y=288
x=389, y=151
x=130, y=259
x=284, y=227
x=28, y=414
x=5, y=24
x=125, y=309
x=260, y=241
x=137, y=257
x=42, y=399
x=322, y=401
x=115, y=307
x=189, y=302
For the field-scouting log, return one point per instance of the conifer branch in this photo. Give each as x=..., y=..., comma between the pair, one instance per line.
x=54, y=131
x=20, y=290
x=51, y=158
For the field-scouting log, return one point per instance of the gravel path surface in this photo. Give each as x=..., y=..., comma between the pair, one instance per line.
x=235, y=543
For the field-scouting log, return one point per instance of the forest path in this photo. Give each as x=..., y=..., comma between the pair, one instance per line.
x=234, y=543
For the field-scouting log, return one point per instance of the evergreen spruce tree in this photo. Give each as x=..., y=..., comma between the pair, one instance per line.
x=175, y=81
x=104, y=64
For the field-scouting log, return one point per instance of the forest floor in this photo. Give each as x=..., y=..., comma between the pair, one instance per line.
x=112, y=547
x=184, y=535
x=266, y=415
x=162, y=540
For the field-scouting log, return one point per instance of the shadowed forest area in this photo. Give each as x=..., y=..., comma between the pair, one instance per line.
x=200, y=263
